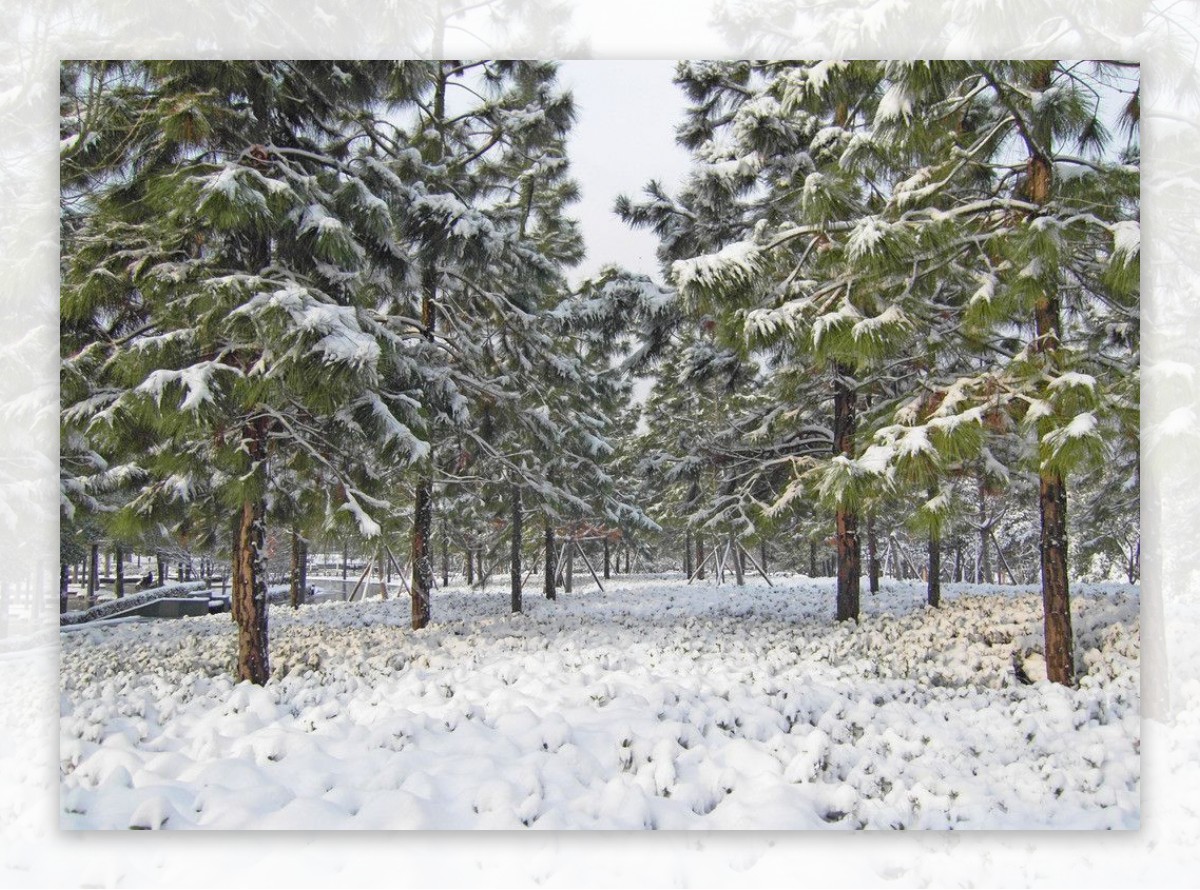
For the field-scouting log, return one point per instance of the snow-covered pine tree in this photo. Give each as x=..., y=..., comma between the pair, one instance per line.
x=1018, y=155
x=254, y=252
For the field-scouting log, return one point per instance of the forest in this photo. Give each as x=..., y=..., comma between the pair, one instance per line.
x=327, y=308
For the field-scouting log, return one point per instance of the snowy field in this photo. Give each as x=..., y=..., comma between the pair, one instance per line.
x=654, y=705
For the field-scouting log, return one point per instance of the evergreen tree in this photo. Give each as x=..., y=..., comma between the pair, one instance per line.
x=251, y=255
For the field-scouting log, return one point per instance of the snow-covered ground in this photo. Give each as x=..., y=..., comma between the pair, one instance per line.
x=653, y=705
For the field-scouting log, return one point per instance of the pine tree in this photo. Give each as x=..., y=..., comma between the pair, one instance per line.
x=253, y=254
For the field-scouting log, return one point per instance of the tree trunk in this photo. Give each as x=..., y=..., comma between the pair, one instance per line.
x=445, y=555
x=628, y=555
x=1052, y=489
x=569, y=568
x=762, y=556
x=516, y=547
x=119, y=582
x=848, y=559
x=739, y=564
x=249, y=597
x=872, y=555
x=607, y=560
x=64, y=581
x=1056, y=605
x=345, y=560
x=470, y=555
x=934, y=585
x=93, y=574
x=296, y=594
x=162, y=570
x=984, y=573
x=812, y=558
x=958, y=558
x=548, y=585
x=700, y=556
x=303, y=570
x=422, y=559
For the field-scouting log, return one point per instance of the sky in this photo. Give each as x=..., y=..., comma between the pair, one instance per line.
x=624, y=136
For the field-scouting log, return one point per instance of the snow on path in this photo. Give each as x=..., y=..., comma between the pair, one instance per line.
x=654, y=705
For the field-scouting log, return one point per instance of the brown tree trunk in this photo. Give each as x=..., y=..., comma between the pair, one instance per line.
x=303, y=570
x=516, y=547
x=985, y=560
x=739, y=565
x=422, y=559
x=64, y=581
x=249, y=596
x=569, y=568
x=1056, y=604
x=934, y=585
x=700, y=570
x=470, y=557
x=1052, y=489
x=297, y=589
x=445, y=555
x=93, y=574
x=548, y=581
x=607, y=560
x=812, y=558
x=162, y=569
x=872, y=555
x=848, y=560
x=119, y=582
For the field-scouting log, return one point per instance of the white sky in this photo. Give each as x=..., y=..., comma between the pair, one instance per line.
x=624, y=136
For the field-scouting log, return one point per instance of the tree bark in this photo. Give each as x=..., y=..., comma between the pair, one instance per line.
x=762, y=556
x=445, y=555
x=739, y=564
x=1056, y=604
x=569, y=568
x=1052, y=489
x=516, y=547
x=422, y=565
x=93, y=574
x=700, y=570
x=470, y=556
x=872, y=555
x=934, y=585
x=812, y=558
x=848, y=559
x=297, y=584
x=162, y=569
x=64, y=581
x=119, y=582
x=984, y=573
x=548, y=582
x=607, y=560
x=249, y=596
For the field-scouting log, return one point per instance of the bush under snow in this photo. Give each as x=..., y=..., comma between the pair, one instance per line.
x=654, y=705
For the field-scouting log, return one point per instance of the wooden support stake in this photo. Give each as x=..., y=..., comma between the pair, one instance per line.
x=400, y=573
x=710, y=555
x=754, y=562
x=354, y=593
x=588, y=562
